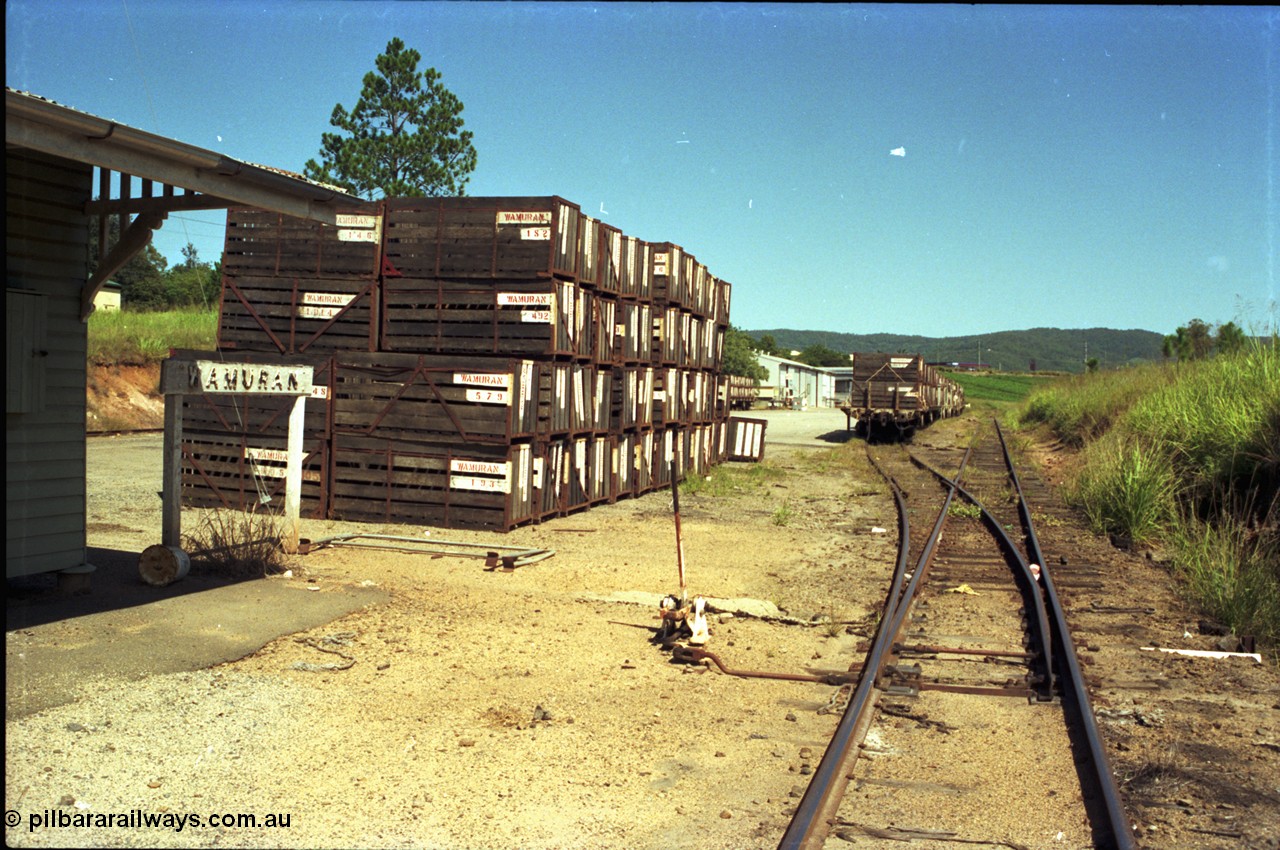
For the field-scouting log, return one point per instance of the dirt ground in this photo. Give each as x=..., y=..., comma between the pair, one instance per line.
x=528, y=709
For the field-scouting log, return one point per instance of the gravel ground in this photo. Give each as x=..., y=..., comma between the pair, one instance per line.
x=524, y=709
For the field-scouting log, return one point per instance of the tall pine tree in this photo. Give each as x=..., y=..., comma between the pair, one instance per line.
x=403, y=138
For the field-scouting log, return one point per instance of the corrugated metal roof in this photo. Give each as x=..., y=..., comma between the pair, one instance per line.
x=72, y=111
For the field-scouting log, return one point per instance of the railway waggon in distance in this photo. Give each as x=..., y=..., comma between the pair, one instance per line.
x=893, y=394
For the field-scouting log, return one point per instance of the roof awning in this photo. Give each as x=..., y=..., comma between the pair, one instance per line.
x=207, y=179
x=48, y=127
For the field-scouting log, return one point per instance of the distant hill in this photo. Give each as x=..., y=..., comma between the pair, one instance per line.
x=1052, y=349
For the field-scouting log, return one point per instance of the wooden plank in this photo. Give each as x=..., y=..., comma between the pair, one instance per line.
x=261, y=243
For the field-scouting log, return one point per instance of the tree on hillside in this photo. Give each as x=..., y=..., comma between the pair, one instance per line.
x=819, y=355
x=403, y=137
x=1230, y=338
x=1192, y=341
x=768, y=345
x=738, y=357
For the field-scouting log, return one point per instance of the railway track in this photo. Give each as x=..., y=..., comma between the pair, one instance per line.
x=970, y=720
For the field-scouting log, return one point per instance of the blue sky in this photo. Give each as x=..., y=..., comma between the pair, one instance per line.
x=1066, y=167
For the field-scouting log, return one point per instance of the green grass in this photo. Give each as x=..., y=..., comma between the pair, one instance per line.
x=1185, y=456
x=1126, y=488
x=997, y=387
x=1232, y=574
x=133, y=338
x=726, y=479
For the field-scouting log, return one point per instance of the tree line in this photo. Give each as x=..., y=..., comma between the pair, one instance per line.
x=148, y=282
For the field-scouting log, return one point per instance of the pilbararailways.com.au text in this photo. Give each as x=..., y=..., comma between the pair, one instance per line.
x=138, y=819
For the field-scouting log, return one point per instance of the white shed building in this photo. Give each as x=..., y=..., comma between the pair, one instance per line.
x=811, y=385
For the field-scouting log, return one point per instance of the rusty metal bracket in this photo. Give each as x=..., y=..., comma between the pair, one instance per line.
x=693, y=654
x=506, y=558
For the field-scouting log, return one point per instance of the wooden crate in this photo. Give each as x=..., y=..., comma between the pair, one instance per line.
x=632, y=398
x=436, y=399
x=237, y=471
x=745, y=439
x=267, y=244
x=634, y=333
x=534, y=318
x=298, y=315
x=500, y=238
x=723, y=296
x=612, y=259
x=672, y=268
x=604, y=338
x=488, y=488
x=550, y=469
x=589, y=271
x=665, y=346
x=669, y=404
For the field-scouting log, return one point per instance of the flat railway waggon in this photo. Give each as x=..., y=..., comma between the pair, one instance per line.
x=894, y=394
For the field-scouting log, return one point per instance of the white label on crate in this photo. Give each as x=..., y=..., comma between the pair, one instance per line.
x=524, y=217
x=620, y=330
x=306, y=311
x=537, y=317
x=481, y=467
x=356, y=220
x=535, y=234
x=483, y=379
x=526, y=299
x=538, y=465
x=488, y=485
x=659, y=395
x=357, y=236
x=661, y=264
x=489, y=396
x=319, y=392
x=900, y=362
x=278, y=455
x=328, y=299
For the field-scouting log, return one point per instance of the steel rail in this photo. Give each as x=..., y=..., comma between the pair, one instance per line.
x=1078, y=694
x=818, y=807
x=1043, y=630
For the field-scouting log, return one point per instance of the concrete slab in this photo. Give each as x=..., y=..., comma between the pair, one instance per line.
x=57, y=646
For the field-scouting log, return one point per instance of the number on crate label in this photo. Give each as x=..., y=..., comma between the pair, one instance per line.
x=357, y=236
x=541, y=317
x=535, y=234
x=485, y=485
x=489, y=396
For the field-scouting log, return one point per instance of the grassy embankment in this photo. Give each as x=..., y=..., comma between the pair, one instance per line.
x=141, y=338
x=1185, y=458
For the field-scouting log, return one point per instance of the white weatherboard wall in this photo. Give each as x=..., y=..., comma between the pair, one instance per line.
x=46, y=266
x=815, y=385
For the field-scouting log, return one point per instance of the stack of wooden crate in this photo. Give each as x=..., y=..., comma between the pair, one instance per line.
x=480, y=362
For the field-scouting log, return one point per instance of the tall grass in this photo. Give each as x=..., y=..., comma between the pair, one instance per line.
x=131, y=338
x=1126, y=488
x=1186, y=455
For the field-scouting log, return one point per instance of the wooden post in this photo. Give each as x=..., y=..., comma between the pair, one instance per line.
x=171, y=486
x=293, y=476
